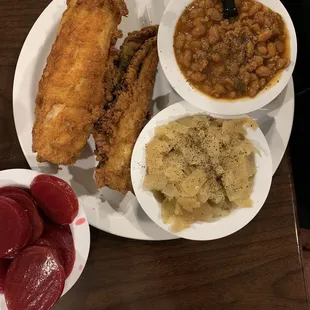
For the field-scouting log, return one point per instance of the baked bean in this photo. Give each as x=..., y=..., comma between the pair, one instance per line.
x=219, y=90
x=197, y=12
x=179, y=40
x=263, y=71
x=250, y=50
x=268, y=23
x=183, y=19
x=200, y=66
x=253, y=88
x=207, y=88
x=272, y=50
x=195, y=44
x=252, y=66
x=240, y=57
x=248, y=23
x=243, y=16
x=215, y=14
x=265, y=36
x=216, y=57
x=246, y=6
x=282, y=38
x=255, y=28
x=262, y=82
x=202, y=4
x=233, y=69
x=221, y=49
x=271, y=66
x=203, y=64
x=280, y=46
x=222, y=33
x=259, y=60
x=199, y=55
x=242, y=70
x=246, y=78
x=195, y=67
x=187, y=45
x=282, y=63
x=205, y=44
x=209, y=4
x=277, y=29
x=232, y=94
x=189, y=73
x=273, y=59
x=187, y=58
x=218, y=70
x=218, y=7
x=262, y=49
x=255, y=8
x=259, y=18
x=198, y=77
x=288, y=62
x=199, y=31
x=198, y=21
x=214, y=36
x=188, y=37
x=254, y=77
x=228, y=83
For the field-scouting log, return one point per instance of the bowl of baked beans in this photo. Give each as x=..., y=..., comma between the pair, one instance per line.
x=227, y=66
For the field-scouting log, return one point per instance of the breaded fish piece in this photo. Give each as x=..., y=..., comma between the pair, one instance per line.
x=119, y=61
x=119, y=127
x=133, y=43
x=70, y=91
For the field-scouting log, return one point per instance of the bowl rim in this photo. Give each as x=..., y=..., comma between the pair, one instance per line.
x=80, y=230
x=217, y=106
x=200, y=231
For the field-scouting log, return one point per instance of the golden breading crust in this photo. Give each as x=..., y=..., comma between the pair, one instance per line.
x=70, y=91
x=120, y=125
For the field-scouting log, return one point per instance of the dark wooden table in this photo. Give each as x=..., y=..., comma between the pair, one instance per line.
x=257, y=268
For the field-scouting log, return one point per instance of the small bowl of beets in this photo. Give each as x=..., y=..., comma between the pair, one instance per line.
x=44, y=239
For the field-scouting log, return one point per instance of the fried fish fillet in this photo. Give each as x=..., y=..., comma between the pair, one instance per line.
x=121, y=122
x=70, y=91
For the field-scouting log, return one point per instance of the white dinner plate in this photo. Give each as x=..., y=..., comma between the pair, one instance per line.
x=107, y=210
x=79, y=228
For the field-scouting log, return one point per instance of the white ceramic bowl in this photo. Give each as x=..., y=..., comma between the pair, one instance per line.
x=79, y=227
x=224, y=107
x=200, y=231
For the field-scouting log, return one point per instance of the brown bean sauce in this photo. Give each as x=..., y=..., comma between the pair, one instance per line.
x=231, y=59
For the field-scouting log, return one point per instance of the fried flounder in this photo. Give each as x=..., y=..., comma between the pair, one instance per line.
x=70, y=91
x=122, y=118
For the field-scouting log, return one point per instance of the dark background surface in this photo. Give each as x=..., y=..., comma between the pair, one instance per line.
x=259, y=267
x=300, y=141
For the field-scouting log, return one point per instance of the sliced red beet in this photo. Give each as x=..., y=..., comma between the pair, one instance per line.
x=14, y=227
x=26, y=201
x=35, y=280
x=60, y=238
x=4, y=266
x=13, y=189
x=55, y=197
x=50, y=243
